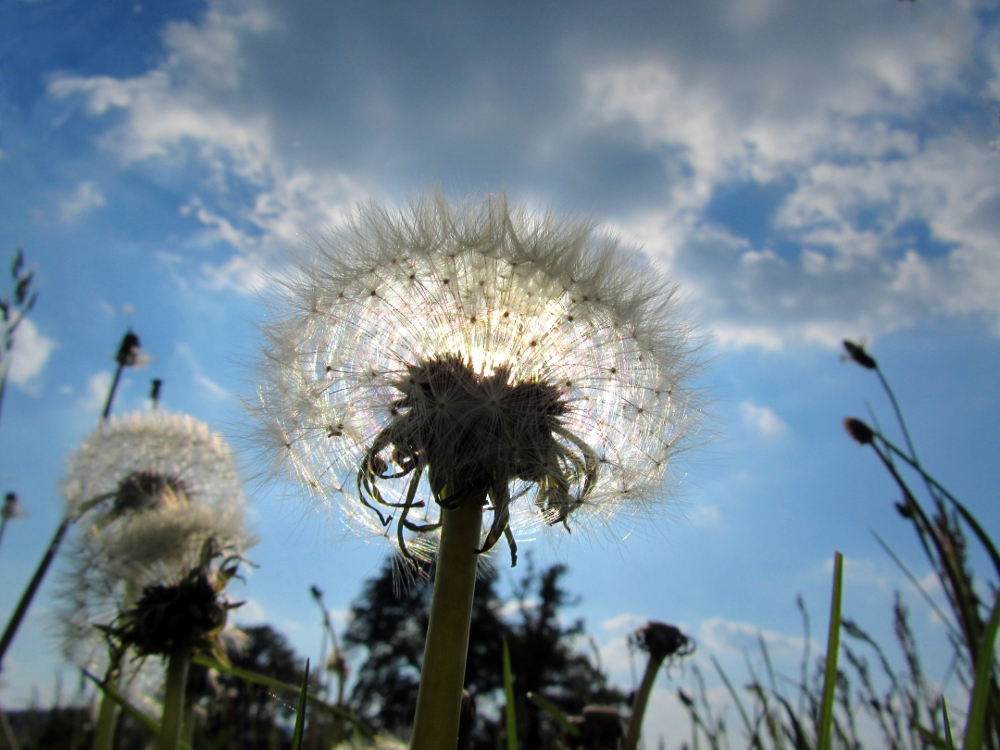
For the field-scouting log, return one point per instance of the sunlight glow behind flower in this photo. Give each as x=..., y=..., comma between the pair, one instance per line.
x=522, y=357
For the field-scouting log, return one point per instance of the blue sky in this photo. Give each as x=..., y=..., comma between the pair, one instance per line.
x=805, y=172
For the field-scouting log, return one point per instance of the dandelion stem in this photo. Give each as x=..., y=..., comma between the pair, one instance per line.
x=641, y=699
x=173, y=701
x=104, y=732
x=439, y=698
x=29, y=592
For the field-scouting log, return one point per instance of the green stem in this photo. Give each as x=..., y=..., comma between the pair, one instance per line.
x=639, y=704
x=187, y=727
x=29, y=592
x=104, y=732
x=173, y=701
x=439, y=698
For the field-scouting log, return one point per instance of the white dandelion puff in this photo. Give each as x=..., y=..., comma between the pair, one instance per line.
x=169, y=486
x=441, y=354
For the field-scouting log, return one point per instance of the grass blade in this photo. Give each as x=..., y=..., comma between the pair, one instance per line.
x=947, y=724
x=508, y=689
x=930, y=738
x=284, y=687
x=754, y=735
x=984, y=669
x=300, y=716
x=553, y=710
x=825, y=727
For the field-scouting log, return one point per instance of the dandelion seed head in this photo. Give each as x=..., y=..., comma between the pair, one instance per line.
x=169, y=485
x=524, y=357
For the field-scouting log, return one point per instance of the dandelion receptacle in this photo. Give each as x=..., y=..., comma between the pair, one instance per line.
x=448, y=376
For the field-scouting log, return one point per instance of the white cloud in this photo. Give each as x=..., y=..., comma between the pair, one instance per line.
x=722, y=637
x=86, y=198
x=97, y=392
x=836, y=111
x=178, y=112
x=29, y=354
x=624, y=623
x=204, y=382
x=250, y=613
x=850, y=142
x=762, y=419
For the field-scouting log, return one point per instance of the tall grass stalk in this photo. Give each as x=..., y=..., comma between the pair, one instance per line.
x=508, y=689
x=824, y=728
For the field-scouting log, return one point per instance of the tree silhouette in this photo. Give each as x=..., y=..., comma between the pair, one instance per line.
x=247, y=716
x=389, y=622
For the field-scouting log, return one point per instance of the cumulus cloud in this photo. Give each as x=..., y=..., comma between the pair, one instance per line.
x=29, y=354
x=722, y=637
x=86, y=198
x=188, y=111
x=97, y=392
x=791, y=165
x=762, y=420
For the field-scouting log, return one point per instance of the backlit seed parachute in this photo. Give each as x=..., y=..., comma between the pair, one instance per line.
x=444, y=354
x=165, y=485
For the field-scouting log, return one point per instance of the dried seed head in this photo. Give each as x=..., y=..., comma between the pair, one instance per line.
x=661, y=641
x=858, y=354
x=181, y=615
x=504, y=356
x=859, y=430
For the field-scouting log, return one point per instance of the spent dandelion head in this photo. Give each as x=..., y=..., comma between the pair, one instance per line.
x=520, y=361
x=167, y=486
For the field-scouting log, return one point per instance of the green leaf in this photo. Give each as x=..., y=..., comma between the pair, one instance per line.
x=284, y=687
x=980, y=690
x=947, y=724
x=147, y=722
x=825, y=726
x=300, y=716
x=508, y=689
x=553, y=710
x=930, y=738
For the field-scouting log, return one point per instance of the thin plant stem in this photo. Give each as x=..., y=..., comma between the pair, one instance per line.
x=640, y=702
x=508, y=688
x=106, y=412
x=29, y=593
x=439, y=697
x=43, y=566
x=173, y=701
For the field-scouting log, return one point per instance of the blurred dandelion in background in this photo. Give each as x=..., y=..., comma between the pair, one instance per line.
x=524, y=358
x=171, y=488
